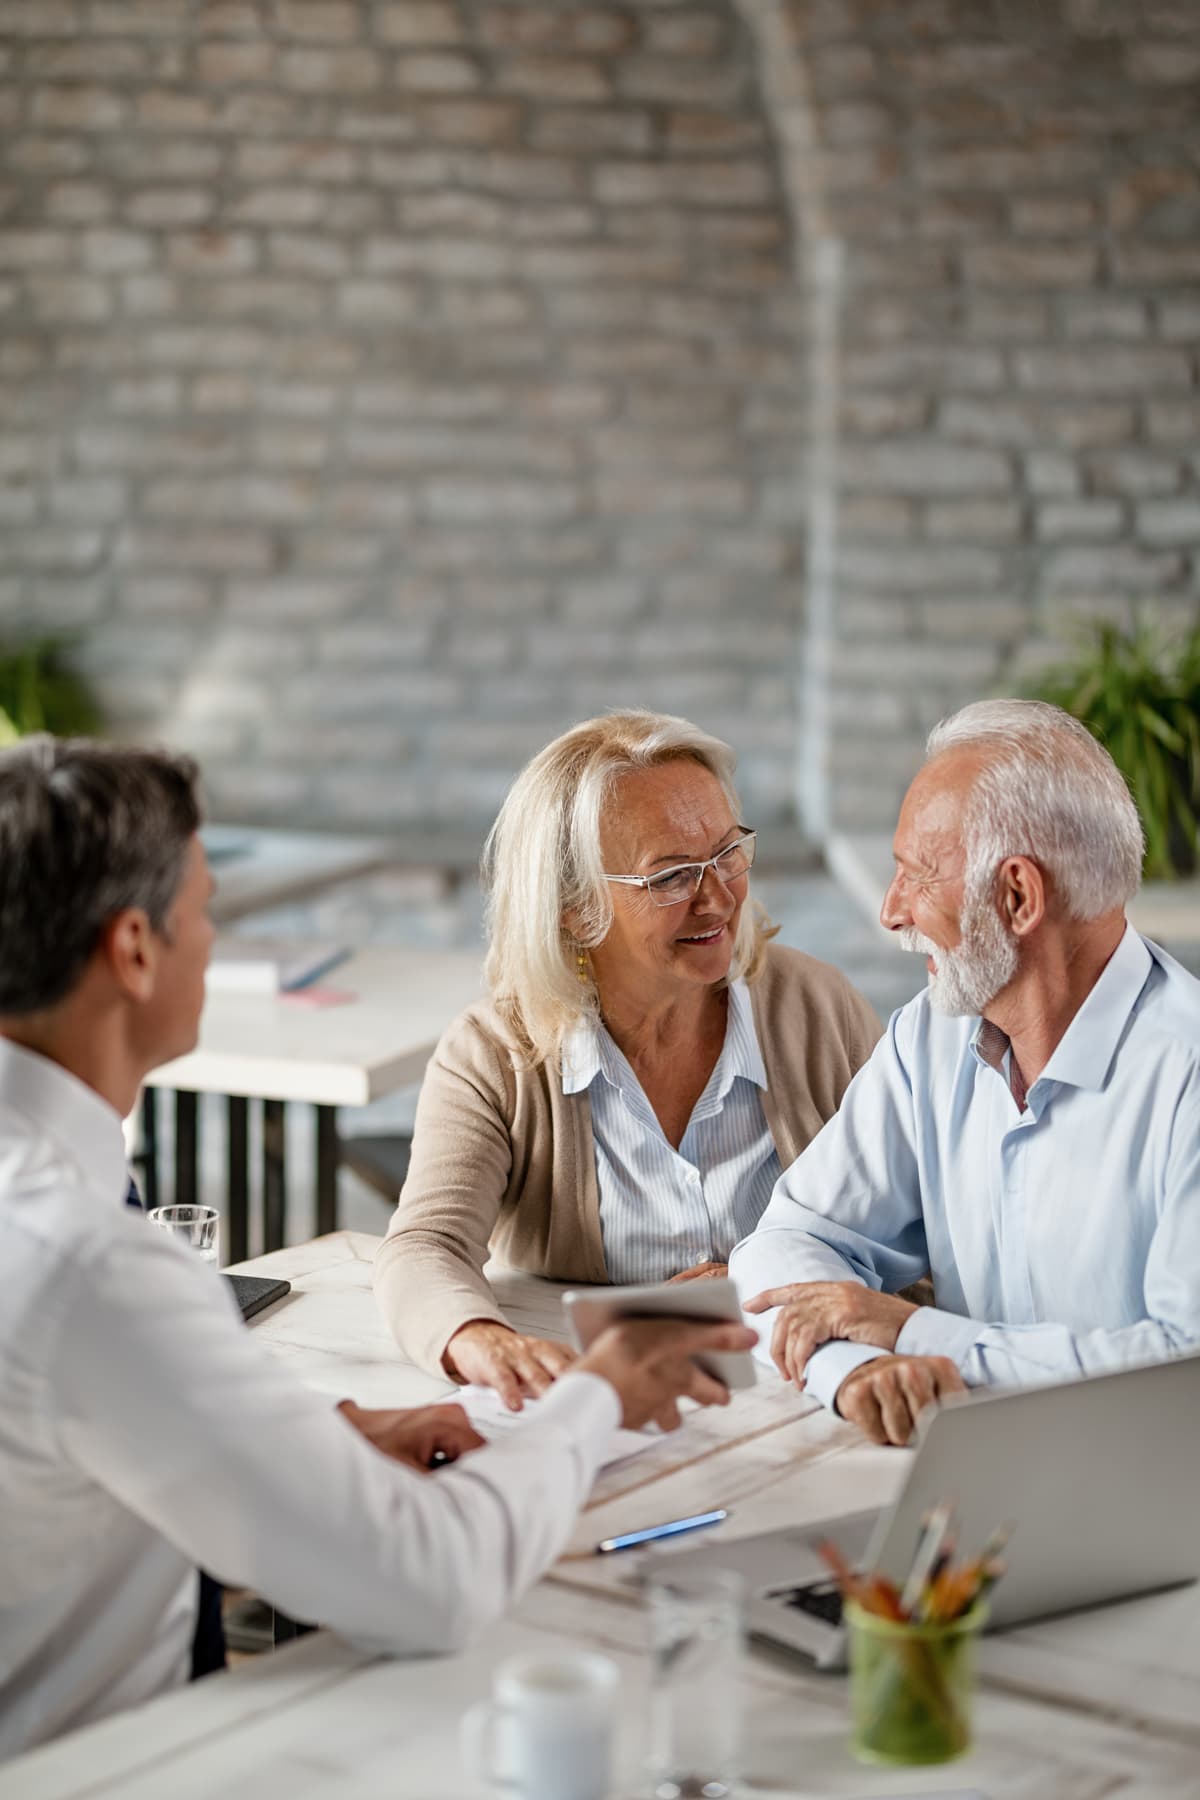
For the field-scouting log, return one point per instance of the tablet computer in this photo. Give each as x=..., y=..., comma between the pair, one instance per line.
x=715, y=1301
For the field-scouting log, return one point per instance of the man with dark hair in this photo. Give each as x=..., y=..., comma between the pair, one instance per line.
x=142, y=1429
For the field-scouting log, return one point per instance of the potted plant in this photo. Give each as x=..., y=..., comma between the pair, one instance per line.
x=1138, y=691
x=40, y=692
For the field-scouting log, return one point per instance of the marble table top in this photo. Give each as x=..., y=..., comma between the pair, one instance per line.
x=1100, y=1706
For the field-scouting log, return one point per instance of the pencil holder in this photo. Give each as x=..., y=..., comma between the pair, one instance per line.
x=911, y=1686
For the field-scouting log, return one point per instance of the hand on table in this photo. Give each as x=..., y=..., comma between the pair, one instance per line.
x=496, y=1356
x=706, y=1271
x=813, y=1312
x=884, y=1397
x=415, y=1434
x=649, y=1363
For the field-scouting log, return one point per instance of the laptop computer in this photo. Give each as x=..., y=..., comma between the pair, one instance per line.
x=1098, y=1477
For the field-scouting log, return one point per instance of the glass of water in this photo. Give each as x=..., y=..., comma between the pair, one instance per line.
x=695, y=1699
x=197, y=1227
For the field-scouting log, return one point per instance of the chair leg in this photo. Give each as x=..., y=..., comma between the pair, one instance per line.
x=327, y=1169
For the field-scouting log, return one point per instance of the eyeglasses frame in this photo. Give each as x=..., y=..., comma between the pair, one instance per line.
x=710, y=862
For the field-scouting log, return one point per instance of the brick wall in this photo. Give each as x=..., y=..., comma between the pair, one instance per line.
x=384, y=386
x=1010, y=196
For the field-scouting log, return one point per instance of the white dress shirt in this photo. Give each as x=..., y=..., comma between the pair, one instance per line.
x=144, y=1431
x=1063, y=1239
x=664, y=1209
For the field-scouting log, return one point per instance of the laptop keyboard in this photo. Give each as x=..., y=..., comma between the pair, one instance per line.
x=820, y=1598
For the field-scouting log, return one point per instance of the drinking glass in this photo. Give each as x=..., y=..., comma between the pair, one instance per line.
x=695, y=1620
x=197, y=1227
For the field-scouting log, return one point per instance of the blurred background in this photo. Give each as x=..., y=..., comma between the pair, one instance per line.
x=387, y=384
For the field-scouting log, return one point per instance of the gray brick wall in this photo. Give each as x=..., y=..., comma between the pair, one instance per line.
x=1013, y=196
x=384, y=386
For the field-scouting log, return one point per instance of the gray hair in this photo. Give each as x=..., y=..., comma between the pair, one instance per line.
x=542, y=862
x=86, y=831
x=1047, y=790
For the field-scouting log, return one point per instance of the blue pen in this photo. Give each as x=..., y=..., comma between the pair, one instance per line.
x=654, y=1532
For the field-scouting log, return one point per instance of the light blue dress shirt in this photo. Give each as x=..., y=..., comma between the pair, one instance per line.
x=1063, y=1240
x=662, y=1209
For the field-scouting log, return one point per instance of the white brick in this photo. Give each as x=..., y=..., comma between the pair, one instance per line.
x=1074, y=521
x=1112, y=371
x=1114, y=568
x=116, y=252
x=475, y=502
x=1169, y=522
x=1136, y=472
x=923, y=467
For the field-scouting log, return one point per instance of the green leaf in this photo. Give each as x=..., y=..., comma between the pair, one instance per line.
x=1138, y=692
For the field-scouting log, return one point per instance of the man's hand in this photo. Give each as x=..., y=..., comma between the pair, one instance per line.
x=883, y=1397
x=706, y=1271
x=813, y=1312
x=416, y=1434
x=649, y=1363
x=496, y=1356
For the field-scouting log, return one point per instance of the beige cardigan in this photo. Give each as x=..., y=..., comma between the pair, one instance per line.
x=503, y=1160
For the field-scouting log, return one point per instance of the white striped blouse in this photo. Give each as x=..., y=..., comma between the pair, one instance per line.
x=662, y=1209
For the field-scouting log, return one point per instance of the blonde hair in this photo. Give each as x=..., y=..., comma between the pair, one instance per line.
x=542, y=861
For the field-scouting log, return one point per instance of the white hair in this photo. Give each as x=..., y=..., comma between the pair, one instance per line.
x=1047, y=790
x=542, y=864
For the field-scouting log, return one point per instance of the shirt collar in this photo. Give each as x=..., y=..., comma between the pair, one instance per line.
x=741, y=1040
x=581, y=1055
x=1082, y=1056
x=584, y=1049
x=86, y=1129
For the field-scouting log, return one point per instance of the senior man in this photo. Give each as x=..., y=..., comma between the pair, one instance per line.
x=143, y=1430
x=1028, y=1128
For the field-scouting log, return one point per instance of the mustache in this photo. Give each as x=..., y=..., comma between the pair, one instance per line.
x=914, y=940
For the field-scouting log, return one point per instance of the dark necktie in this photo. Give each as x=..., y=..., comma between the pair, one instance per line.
x=208, y=1639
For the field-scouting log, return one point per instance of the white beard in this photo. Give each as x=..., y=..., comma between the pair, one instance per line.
x=966, y=979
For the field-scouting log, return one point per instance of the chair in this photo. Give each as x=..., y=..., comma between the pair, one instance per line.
x=380, y=1159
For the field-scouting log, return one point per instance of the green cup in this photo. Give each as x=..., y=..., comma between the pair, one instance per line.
x=911, y=1686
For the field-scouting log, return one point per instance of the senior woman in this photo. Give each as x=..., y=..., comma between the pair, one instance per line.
x=647, y=1065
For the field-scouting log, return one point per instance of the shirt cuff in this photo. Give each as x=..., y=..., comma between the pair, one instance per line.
x=930, y=1331
x=585, y=1406
x=828, y=1367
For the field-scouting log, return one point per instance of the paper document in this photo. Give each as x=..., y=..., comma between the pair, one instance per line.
x=262, y=965
x=490, y=1417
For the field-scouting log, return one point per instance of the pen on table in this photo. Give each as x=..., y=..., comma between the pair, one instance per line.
x=653, y=1533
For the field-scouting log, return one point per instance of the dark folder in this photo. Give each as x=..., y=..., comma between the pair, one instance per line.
x=254, y=1292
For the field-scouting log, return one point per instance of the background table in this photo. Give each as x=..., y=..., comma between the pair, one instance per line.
x=1103, y=1705
x=280, y=1048
x=257, y=868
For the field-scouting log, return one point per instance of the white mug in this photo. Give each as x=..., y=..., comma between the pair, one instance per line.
x=548, y=1732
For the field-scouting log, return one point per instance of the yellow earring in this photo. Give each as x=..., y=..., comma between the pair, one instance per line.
x=581, y=966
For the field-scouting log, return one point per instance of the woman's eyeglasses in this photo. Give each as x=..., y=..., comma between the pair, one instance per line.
x=672, y=886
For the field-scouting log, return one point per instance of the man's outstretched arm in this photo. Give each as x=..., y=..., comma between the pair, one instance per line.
x=847, y=1210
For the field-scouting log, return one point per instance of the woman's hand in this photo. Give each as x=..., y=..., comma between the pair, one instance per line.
x=702, y=1272
x=496, y=1356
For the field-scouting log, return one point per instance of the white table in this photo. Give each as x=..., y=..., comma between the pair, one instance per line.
x=1103, y=1706
x=282, y=1048
x=257, y=868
